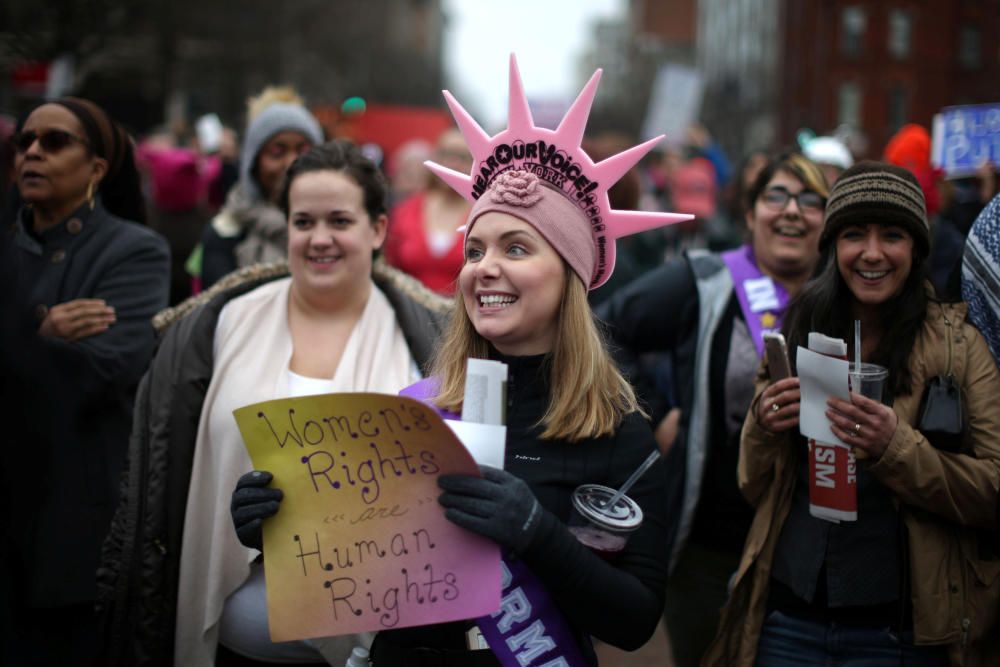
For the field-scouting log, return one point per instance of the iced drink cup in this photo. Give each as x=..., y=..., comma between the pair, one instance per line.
x=869, y=381
x=603, y=529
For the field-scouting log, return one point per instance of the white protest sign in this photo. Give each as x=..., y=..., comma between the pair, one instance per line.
x=674, y=103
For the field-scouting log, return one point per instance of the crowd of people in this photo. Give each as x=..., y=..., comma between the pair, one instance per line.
x=154, y=287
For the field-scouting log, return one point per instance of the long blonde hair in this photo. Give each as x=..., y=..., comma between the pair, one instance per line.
x=588, y=397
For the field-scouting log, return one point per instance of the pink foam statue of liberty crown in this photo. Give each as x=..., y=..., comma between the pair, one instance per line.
x=556, y=157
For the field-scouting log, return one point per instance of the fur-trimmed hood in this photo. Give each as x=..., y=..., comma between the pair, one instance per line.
x=382, y=274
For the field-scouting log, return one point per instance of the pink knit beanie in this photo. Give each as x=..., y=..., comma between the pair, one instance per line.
x=562, y=223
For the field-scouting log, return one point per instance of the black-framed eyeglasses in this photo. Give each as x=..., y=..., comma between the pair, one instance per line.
x=51, y=141
x=777, y=198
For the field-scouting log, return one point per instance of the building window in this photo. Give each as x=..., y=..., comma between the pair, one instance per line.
x=897, y=107
x=849, y=104
x=853, y=21
x=970, y=47
x=900, y=32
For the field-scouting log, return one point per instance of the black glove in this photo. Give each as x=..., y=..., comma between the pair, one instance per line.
x=253, y=502
x=497, y=505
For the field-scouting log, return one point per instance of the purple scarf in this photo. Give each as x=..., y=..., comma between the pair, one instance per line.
x=762, y=300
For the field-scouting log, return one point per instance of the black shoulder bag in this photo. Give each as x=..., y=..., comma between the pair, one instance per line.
x=942, y=419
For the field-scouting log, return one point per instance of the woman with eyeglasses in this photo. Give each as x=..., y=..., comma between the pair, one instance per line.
x=93, y=278
x=709, y=312
x=251, y=228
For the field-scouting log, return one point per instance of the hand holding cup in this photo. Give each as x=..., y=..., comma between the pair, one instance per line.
x=865, y=424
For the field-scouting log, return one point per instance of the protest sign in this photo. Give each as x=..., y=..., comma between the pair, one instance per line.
x=674, y=103
x=966, y=136
x=361, y=543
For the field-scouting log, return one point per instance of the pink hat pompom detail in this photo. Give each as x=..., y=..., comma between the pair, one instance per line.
x=516, y=188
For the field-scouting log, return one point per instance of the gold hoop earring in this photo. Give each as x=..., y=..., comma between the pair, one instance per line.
x=90, y=194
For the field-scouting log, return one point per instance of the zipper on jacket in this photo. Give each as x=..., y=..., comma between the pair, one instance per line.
x=966, y=623
x=947, y=333
x=132, y=562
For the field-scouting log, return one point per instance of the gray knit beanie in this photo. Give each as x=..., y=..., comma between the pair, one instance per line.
x=875, y=192
x=278, y=117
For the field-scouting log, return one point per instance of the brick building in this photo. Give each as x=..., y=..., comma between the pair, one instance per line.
x=775, y=66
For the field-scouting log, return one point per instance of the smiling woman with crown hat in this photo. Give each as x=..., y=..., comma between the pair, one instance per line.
x=541, y=232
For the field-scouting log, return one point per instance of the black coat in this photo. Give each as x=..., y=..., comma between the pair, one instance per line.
x=140, y=564
x=62, y=467
x=619, y=602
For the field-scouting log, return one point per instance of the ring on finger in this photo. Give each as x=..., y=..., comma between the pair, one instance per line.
x=775, y=407
x=857, y=430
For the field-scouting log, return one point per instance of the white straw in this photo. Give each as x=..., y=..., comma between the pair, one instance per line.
x=857, y=346
x=650, y=460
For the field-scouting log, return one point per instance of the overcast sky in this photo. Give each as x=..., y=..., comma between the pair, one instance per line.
x=546, y=35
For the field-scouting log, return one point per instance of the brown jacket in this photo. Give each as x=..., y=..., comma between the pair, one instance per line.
x=944, y=500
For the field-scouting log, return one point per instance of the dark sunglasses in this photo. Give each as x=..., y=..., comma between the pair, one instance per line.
x=51, y=141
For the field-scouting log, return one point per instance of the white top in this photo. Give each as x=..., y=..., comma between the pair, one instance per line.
x=300, y=385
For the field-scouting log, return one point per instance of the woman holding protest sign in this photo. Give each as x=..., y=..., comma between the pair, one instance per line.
x=915, y=577
x=332, y=319
x=538, y=237
x=709, y=312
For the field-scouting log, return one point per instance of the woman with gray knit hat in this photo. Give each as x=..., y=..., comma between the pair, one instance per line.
x=251, y=228
x=915, y=577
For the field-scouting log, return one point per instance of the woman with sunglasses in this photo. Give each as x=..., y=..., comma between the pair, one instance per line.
x=915, y=579
x=709, y=313
x=94, y=280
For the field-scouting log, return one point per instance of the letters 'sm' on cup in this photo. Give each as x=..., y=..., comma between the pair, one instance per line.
x=603, y=529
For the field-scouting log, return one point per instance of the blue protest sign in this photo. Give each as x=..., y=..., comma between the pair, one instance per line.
x=965, y=137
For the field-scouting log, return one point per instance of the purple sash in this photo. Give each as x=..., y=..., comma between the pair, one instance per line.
x=762, y=300
x=528, y=630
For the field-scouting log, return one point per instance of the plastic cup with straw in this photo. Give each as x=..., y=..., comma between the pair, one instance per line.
x=604, y=517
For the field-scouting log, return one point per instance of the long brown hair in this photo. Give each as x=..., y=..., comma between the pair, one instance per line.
x=588, y=396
